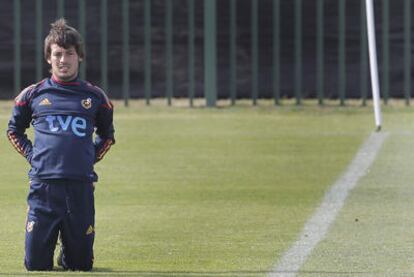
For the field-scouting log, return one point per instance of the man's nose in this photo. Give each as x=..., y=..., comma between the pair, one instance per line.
x=63, y=58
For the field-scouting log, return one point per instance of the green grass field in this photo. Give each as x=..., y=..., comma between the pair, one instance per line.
x=225, y=191
x=373, y=234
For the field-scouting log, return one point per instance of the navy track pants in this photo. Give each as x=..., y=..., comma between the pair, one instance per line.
x=60, y=207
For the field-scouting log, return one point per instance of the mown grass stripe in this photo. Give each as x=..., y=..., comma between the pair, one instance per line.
x=317, y=226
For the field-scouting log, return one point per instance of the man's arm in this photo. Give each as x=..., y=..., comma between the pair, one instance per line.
x=19, y=122
x=104, y=129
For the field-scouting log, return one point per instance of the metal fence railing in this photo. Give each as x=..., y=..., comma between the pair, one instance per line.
x=222, y=49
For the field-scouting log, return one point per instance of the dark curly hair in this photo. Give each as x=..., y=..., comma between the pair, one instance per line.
x=65, y=36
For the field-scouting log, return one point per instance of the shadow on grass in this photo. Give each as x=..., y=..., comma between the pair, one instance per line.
x=181, y=273
x=100, y=271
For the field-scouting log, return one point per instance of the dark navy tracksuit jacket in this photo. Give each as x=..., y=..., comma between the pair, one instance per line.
x=64, y=117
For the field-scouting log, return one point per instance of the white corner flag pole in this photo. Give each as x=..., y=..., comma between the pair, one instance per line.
x=373, y=62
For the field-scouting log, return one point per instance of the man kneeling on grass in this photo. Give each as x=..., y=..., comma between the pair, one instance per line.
x=64, y=112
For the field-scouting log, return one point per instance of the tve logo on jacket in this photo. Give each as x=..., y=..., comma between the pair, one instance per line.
x=78, y=124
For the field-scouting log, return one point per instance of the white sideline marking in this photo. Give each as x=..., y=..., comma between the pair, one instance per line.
x=317, y=226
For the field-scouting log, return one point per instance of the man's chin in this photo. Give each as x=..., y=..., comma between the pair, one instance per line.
x=65, y=77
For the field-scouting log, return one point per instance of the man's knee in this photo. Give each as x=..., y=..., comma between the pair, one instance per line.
x=79, y=267
x=33, y=265
x=80, y=263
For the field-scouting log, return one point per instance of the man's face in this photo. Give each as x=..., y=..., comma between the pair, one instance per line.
x=64, y=62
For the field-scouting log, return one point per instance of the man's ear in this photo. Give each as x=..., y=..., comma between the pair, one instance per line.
x=80, y=59
x=49, y=61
